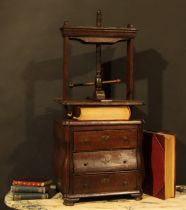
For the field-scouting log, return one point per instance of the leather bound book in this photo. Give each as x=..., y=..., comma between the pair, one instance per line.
x=32, y=182
x=29, y=189
x=159, y=159
x=101, y=113
x=29, y=196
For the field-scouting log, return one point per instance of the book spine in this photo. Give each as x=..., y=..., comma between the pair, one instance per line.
x=18, y=188
x=29, y=196
x=26, y=183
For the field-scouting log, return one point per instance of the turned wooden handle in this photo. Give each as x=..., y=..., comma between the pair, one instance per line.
x=114, y=81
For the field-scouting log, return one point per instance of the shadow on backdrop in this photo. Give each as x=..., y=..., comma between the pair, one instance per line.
x=34, y=156
x=149, y=66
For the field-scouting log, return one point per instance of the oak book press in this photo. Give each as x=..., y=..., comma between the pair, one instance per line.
x=98, y=157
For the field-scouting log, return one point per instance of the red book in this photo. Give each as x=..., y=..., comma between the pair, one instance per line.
x=159, y=159
x=31, y=182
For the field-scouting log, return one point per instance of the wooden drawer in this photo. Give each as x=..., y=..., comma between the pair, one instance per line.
x=113, y=182
x=105, y=139
x=93, y=162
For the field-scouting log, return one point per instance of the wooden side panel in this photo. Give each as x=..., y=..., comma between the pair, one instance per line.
x=59, y=151
x=61, y=157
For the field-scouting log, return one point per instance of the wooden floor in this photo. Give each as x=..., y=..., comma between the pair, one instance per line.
x=116, y=203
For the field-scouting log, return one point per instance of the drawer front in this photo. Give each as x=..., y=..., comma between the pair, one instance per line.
x=105, y=183
x=105, y=139
x=92, y=162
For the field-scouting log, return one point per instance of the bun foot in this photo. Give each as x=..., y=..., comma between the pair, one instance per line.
x=70, y=201
x=137, y=197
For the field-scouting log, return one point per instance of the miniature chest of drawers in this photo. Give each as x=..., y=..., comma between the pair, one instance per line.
x=98, y=158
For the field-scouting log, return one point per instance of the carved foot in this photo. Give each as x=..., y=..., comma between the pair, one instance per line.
x=70, y=201
x=137, y=196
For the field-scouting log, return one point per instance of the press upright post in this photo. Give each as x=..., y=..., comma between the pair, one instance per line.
x=99, y=92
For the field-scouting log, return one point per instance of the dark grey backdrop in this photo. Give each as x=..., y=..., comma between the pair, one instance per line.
x=31, y=65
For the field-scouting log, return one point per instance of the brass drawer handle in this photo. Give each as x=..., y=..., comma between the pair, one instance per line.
x=105, y=180
x=125, y=138
x=85, y=185
x=125, y=183
x=85, y=141
x=105, y=137
x=106, y=160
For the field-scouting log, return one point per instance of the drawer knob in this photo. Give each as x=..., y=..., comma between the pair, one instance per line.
x=85, y=164
x=105, y=137
x=125, y=161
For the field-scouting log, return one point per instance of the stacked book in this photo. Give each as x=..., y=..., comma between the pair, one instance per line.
x=25, y=189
